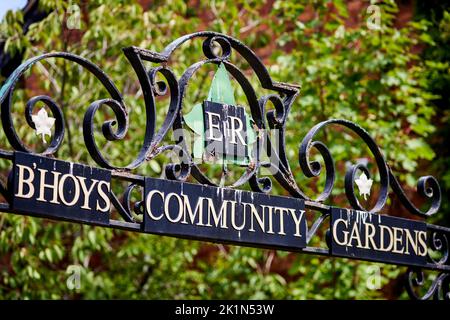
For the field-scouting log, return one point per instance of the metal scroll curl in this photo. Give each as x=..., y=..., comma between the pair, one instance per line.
x=438, y=290
x=313, y=169
x=113, y=130
x=427, y=186
x=7, y=90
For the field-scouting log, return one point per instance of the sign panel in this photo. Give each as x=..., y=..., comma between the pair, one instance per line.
x=58, y=189
x=225, y=215
x=225, y=130
x=376, y=237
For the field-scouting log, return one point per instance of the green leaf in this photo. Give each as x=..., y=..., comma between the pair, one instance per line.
x=221, y=90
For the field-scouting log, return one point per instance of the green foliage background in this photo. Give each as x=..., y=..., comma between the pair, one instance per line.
x=391, y=81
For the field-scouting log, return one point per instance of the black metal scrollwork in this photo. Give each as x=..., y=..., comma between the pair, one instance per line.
x=438, y=290
x=282, y=100
x=282, y=97
x=438, y=255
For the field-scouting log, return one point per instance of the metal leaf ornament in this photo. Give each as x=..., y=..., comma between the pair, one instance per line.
x=43, y=124
x=364, y=184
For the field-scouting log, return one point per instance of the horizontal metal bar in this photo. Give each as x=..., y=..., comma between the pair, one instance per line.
x=315, y=250
x=442, y=267
x=436, y=227
x=6, y=154
x=147, y=54
x=5, y=207
x=132, y=226
x=327, y=252
x=128, y=177
x=317, y=206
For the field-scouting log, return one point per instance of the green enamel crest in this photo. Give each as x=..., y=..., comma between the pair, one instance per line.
x=221, y=91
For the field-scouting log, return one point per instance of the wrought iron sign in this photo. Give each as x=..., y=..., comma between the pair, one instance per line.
x=228, y=134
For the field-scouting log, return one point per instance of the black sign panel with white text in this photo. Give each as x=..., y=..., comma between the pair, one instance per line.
x=378, y=237
x=59, y=189
x=223, y=214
